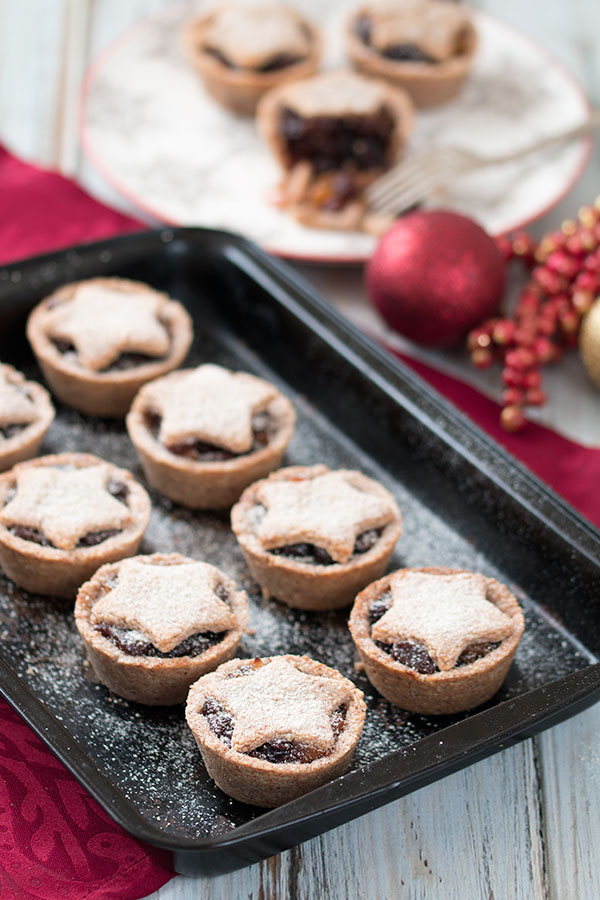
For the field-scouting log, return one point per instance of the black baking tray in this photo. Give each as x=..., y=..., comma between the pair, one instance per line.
x=466, y=503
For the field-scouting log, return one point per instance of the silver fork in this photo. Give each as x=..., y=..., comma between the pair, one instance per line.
x=414, y=179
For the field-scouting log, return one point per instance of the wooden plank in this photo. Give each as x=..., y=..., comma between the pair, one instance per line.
x=453, y=840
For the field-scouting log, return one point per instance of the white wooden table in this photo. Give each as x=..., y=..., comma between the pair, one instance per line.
x=523, y=824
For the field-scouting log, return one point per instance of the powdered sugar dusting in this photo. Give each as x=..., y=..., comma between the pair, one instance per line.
x=16, y=408
x=446, y=613
x=166, y=603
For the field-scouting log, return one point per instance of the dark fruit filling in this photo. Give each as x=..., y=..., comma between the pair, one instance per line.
x=277, y=750
x=123, y=362
x=118, y=490
x=93, y=538
x=8, y=431
x=277, y=62
x=131, y=643
x=397, y=52
x=262, y=430
x=317, y=556
x=335, y=143
x=30, y=534
x=415, y=655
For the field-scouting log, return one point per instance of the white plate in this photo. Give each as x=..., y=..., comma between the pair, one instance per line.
x=156, y=136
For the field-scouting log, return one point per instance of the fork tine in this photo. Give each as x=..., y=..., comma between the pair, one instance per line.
x=394, y=199
x=402, y=173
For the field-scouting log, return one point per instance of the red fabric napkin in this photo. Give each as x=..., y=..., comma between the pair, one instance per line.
x=55, y=841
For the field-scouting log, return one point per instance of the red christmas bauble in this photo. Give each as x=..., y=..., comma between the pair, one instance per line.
x=434, y=275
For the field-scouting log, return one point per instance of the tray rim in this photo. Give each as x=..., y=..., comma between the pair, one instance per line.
x=561, y=698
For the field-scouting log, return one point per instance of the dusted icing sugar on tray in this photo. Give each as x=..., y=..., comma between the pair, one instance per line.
x=39, y=637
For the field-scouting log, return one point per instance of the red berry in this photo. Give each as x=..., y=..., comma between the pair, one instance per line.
x=504, y=245
x=582, y=301
x=563, y=264
x=512, y=397
x=543, y=349
x=532, y=379
x=504, y=332
x=587, y=281
x=588, y=239
x=482, y=358
x=569, y=322
x=525, y=336
x=512, y=418
x=550, y=282
x=520, y=359
x=511, y=377
x=535, y=397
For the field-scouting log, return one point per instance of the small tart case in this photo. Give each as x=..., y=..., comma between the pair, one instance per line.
x=306, y=585
x=308, y=189
x=155, y=326
x=252, y=37
x=259, y=781
x=212, y=484
x=429, y=84
x=64, y=498
x=26, y=405
x=154, y=680
x=443, y=692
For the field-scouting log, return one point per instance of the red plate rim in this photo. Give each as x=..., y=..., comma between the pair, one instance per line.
x=586, y=144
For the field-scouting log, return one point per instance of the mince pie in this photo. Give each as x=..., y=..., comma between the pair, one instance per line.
x=313, y=537
x=99, y=341
x=241, y=52
x=333, y=135
x=26, y=414
x=152, y=625
x=63, y=516
x=425, y=48
x=204, y=434
x=272, y=729
x=436, y=641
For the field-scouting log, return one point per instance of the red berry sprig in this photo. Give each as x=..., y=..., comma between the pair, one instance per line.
x=564, y=281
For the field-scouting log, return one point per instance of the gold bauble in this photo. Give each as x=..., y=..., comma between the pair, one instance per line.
x=589, y=342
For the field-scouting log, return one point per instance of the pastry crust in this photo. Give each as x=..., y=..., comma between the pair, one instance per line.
x=241, y=89
x=440, y=693
x=207, y=485
x=153, y=681
x=26, y=443
x=305, y=585
x=50, y=570
x=105, y=394
x=428, y=84
x=258, y=781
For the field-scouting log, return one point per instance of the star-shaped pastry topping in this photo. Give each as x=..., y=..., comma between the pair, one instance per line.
x=102, y=323
x=65, y=504
x=328, y=511
x=166, y=603
x=209, y=404
x=445, y=613
x=252, y=37
x=279, y=701
x=16, y=408
x=433, y=27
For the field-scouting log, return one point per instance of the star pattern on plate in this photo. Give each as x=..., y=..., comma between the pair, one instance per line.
x=210, y=404
x=327, y=511
x=65, y=504
x=166, y=603
x=280, y=701
x=16, y=408
x=102, y=323
x=445, y=613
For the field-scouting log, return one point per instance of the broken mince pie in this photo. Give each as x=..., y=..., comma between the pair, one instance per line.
x=436, y=641
x=425, y=48
x=152, y=625
x=313, y=537
x=333, y=135
x=272, y=729
x=99, y=341
x=204, y=434
x=26, y=414
x=63, y=516
x=241, y=52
